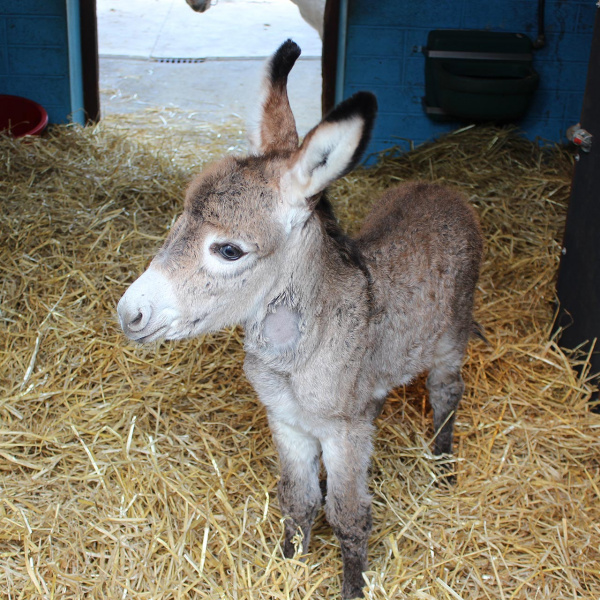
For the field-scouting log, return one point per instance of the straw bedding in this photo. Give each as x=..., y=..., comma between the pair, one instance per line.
x=149, y=473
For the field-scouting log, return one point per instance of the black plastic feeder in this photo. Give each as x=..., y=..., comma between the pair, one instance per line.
x=478, y=76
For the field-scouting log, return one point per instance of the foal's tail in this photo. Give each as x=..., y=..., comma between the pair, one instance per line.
x=478, y=331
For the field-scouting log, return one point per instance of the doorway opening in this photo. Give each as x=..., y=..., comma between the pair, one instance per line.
x=160, y=56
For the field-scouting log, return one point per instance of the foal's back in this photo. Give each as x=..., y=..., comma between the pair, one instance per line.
x=422, y=243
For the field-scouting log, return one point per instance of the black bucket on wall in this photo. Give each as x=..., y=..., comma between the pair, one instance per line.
x=478, y=76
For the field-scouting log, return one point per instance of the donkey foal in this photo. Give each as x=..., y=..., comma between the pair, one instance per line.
x=332, y=323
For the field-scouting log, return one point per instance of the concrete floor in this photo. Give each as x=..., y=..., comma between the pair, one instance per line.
x=160, y=53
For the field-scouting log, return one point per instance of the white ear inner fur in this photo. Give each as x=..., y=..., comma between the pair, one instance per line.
x=327, y=155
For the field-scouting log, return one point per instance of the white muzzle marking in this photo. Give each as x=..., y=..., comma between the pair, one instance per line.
x=148, y=309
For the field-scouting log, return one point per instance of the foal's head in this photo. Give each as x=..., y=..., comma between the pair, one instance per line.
x=242, y=217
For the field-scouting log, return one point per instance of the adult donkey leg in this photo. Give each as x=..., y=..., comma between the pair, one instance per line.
x=300, y=495
x=348, y=504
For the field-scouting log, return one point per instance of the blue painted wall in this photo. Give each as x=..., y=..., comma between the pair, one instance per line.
x=34, y=54
x=383, y=54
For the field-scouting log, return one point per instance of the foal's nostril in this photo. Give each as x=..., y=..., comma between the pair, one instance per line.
x=140, y=320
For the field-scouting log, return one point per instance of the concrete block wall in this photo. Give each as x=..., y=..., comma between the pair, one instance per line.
x=383, y=54
x=34, y=57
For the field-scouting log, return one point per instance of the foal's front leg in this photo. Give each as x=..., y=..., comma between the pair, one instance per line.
x=347, y=457
x=300, y=495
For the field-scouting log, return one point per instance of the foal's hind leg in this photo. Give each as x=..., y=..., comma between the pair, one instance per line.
x=446, y=388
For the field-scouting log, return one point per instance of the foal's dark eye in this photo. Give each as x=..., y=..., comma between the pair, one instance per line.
x=229, y=251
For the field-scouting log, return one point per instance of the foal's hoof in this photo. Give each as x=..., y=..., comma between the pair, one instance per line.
x=288, y=549
x=446, y=480
x=352, y=592
x=444, y=469
x=323, y=486
x=353, y=581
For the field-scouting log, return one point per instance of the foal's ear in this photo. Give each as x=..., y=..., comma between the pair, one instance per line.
x=334, y=146
x=276, y=128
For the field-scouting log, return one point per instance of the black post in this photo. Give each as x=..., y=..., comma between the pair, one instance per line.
x=89, y=60
x=578, y=285
x=330, y=53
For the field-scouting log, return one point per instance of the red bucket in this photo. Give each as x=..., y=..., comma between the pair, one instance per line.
x=20, y=116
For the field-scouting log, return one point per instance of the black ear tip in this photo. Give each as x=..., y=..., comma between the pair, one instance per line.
x=363, y=103
x=284, y=59
x=367, y=102
x=290, y=49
